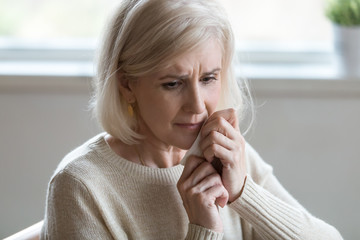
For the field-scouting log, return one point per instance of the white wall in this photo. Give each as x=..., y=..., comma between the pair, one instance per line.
x=308, y=130
x=40, y=123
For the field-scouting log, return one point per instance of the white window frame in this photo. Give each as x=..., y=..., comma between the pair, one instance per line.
x=256, y=60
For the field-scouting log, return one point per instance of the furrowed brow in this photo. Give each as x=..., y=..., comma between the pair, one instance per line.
x=172, y=76
x=211, y=72
x=186, y=76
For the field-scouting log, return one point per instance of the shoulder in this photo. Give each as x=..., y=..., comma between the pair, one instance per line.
x=82, y=160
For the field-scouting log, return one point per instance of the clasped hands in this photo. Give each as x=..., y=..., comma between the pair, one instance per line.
x=201, y=187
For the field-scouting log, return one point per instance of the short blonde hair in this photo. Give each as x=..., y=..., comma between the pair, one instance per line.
x=141, y=38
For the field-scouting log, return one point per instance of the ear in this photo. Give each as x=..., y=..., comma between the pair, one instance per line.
x=126, y=88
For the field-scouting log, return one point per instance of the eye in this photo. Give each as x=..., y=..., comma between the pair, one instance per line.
x=171, y=85
x=208, y=79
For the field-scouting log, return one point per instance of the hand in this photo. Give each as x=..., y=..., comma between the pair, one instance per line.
x=201, y=190
x=221, y=138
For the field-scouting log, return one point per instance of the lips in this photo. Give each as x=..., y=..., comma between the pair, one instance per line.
x=190, y=126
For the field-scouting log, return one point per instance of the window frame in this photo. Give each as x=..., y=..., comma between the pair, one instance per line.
x=82, y=51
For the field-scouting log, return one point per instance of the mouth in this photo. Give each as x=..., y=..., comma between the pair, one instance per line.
x=190, y=126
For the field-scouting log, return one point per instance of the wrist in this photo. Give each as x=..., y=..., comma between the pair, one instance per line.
x=240, y=193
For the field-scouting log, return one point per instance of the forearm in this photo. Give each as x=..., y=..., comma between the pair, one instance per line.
x=273, y=218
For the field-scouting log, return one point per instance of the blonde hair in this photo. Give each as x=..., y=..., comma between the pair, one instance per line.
x=141, y=38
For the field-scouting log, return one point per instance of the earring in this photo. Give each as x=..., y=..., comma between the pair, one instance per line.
x=130, y=110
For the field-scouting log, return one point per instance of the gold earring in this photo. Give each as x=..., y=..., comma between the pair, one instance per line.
x=130, y=110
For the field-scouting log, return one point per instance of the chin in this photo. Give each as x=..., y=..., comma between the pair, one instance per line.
x=186, y=143
x=187, y=147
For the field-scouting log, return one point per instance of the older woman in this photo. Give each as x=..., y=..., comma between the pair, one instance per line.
x=165, y=77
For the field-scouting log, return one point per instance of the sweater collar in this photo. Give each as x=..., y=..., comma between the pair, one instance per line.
x=158, y=176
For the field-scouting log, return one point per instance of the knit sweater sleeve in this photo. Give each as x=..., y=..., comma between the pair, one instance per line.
x=196, y=232
x=270, y=212
x=71, y=212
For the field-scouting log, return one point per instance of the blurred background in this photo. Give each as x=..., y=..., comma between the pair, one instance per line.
x=307, y=121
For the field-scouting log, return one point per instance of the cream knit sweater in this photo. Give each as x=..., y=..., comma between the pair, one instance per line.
x=96, y=194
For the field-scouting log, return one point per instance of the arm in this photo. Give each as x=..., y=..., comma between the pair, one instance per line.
x=267, y=210
x=71, y=212
x=271, y=212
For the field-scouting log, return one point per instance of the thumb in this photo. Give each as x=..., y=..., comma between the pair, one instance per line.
x=223, y=199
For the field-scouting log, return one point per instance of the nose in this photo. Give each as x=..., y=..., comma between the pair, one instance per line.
x=194, y=102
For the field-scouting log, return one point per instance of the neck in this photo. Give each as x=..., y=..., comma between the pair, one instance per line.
x=160, y=156
x=153, y=155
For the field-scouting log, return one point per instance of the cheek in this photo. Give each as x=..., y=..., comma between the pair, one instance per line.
x=154, y=110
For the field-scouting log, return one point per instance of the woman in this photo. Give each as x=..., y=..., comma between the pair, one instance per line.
x=165, y=77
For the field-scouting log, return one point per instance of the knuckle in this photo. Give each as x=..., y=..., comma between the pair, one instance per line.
x=218, y=179
x=201, y=197
x=213, y=147
x=207, y=154
x=231, y=111
x=222, y=121
x=218, y=120
x=193, y=192
x=213, y=135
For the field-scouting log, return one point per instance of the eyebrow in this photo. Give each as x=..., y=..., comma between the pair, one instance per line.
x=187, y=76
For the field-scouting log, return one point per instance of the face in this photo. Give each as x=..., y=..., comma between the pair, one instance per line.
x=173, y=104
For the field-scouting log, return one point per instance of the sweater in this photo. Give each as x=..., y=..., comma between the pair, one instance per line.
x=96, y=194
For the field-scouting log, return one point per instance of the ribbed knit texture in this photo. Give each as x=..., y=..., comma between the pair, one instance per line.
x=96, y=194
x=273, y=218
x=198, y=232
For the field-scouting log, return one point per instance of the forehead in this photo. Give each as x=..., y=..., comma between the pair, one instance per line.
x=206, y=56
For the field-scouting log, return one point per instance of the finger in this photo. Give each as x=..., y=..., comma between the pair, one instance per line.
x=229, y=115
x=217, y=138
x=218, y=195
x=207, y=182
x=203, y=171
x=220, y=125
x=217, y=151
x=210, y=190
x=191, y=164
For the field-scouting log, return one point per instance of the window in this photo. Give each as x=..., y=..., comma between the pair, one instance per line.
x=255, y=20
x=277, y=30
x=279, y=20
x=53, y=19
